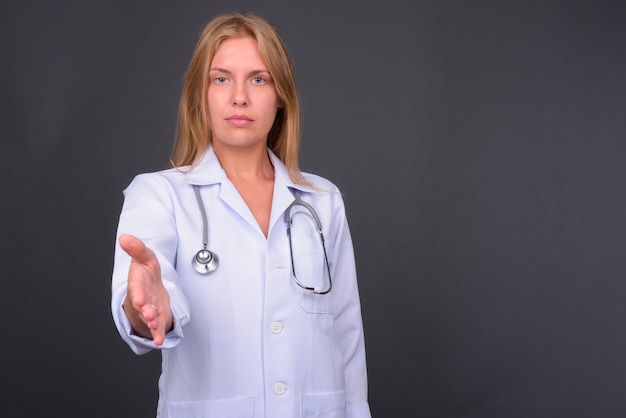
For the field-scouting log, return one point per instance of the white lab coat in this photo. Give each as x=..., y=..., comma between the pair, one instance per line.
x=247, y=341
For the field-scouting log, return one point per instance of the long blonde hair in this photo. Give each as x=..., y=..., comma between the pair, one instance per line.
x=194, y=133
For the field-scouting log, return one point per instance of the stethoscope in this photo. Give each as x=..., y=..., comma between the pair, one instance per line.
x=206, y=261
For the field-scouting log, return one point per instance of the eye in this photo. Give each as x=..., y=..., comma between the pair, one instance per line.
x=258, y=80
x=220, y=80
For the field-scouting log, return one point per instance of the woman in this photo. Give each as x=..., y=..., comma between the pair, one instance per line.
x=271, y=325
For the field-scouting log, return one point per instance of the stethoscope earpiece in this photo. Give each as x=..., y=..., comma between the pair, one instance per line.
x=205, y=261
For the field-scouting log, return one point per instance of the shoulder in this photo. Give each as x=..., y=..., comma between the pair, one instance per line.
x=158, y=182
x=320, y=184
x=324, y=192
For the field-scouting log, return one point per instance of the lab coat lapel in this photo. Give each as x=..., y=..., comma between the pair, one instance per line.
x=283, y=193
x=230, y=195
x=280, y=201
x=207, y=171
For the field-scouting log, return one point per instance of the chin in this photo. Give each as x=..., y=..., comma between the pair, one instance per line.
x=240, y=143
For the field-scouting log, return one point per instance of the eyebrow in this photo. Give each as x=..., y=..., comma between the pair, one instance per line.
x=224, y=70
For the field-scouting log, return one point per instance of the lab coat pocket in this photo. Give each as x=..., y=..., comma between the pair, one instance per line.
x=311, y=272
x=309, y=267
x=222, y=408
x=323, y=405
x=314, y=303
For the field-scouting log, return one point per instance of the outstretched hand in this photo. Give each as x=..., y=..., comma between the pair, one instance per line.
x=147, y=303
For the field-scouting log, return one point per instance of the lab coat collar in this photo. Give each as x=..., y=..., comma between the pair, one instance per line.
x=208, y=170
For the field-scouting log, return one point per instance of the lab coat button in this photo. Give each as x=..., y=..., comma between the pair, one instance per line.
x=279, y=389
x=277, y=327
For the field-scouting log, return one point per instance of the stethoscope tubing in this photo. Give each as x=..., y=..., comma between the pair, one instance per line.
x=313, y=214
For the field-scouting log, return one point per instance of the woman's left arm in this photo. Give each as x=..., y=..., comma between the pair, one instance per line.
x=347, y=310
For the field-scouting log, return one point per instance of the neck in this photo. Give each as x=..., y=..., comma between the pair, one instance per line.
x=242, y=163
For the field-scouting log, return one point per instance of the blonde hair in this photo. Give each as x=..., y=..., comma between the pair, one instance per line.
x=194, y=133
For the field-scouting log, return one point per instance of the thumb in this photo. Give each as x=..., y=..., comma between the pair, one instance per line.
x=135, y=248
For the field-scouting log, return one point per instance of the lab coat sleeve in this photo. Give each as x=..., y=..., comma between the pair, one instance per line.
x=148, y=213
x=347, y=309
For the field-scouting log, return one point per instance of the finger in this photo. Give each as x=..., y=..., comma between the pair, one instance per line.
x=158, y=336
x=135, y=248
x=137, y=289
x=155, y=324
x=150, y=314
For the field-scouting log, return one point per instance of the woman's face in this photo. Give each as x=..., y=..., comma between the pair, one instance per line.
x=241, y=97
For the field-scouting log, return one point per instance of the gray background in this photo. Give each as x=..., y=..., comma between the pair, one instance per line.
x=480, y=147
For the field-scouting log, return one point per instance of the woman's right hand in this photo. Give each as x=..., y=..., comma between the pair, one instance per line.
x=147, y=303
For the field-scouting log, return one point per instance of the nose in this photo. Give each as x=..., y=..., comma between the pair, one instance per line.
x=240, y=95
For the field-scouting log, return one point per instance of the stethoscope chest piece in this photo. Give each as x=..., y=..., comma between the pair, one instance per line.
x=205, y=261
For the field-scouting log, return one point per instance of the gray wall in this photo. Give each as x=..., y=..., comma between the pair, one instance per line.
x=480, y=147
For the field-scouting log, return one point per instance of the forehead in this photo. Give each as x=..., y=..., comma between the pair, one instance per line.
x=239, y=52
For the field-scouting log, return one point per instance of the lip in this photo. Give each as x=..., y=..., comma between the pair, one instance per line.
x=239, y=120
